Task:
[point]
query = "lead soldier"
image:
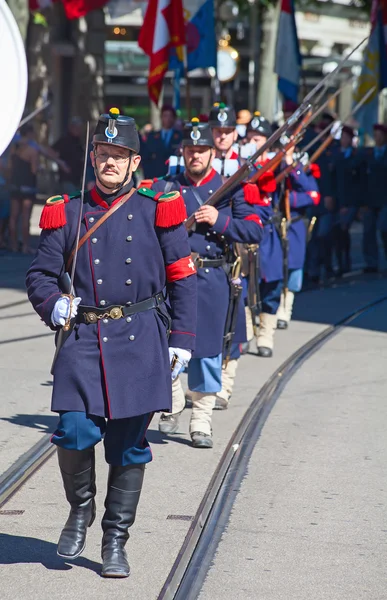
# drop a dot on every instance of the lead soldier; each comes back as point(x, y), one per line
point(113, 371)
point(233, 220)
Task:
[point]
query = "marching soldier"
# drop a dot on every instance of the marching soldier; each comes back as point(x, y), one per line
point(374, 213)
point(114, 369)
point(302, 192)
point(233, 220)
point(223, 123)
point(159, 145)
point(270, 249)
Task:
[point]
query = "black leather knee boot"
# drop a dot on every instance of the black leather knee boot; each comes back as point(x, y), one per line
point(78, 474)
point(123, 494)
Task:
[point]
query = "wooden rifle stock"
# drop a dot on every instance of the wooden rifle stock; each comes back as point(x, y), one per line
point(287, 205)
point(319, 151)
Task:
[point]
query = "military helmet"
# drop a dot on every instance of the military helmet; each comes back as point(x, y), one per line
point(196, 133)
point(222, 115)
point(113, 128)
point(260, 125)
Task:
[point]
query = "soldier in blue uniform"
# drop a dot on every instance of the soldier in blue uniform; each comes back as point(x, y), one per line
point(159, 145)
point(270, 249)
point(223, 123)
point(114, 369)
point(374, 211)
point(348, 175)
point(303, 192)
point(233, 220)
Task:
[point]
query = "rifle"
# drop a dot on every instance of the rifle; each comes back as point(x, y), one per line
point(281, 176)
point(331, 136)
point(232, 312)
point(240, 175)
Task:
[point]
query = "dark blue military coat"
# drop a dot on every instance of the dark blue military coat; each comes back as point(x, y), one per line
point(376, 178)
point(237, 222)
point(270, 248)
point(117, 368)
point(303, 193)
point(155, 153)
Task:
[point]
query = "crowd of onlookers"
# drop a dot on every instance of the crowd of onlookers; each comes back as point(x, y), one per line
point(20, 167)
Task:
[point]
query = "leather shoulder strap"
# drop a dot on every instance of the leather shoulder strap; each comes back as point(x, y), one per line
point(105, 217)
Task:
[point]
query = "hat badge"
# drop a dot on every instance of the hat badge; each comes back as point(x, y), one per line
point(255, 123)
point(111, 130)
point(222, 115)
point(195, 133)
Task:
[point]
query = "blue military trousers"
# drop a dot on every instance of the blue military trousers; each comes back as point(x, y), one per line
point(124, 439)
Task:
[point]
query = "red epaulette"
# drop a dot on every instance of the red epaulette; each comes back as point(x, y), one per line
point(170, 210)
point(53, 214)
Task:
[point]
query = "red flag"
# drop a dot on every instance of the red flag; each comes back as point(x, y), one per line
point(163, 29)
point(75, 9)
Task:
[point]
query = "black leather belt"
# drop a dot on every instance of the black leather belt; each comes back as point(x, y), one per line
point(205, 263)
point(92, 314)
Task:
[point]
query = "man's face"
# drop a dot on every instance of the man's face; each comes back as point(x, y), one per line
point(198, 159)
point(111, 163)
point(167, 119)
point(256, 138)
point(224, 137)
point(345, 140)
point(379, 137)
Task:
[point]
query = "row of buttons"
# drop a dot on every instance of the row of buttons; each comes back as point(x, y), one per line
point(95, 240)
point(185, 190)
point(91, 220)
point(131, 337)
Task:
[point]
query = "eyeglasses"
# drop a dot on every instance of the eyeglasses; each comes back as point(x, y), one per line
point(104, 157)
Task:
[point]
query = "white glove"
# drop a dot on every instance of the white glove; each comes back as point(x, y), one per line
point(60, 312)
point(183, 358)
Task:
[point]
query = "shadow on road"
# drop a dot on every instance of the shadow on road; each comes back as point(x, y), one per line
point(45, 423)
point(15, 549)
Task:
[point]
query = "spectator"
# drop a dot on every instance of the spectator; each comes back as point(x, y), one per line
point(71, 150)
point(160, 145)
point(23, 169)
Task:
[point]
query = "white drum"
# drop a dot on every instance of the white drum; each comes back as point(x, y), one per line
point(13, 74)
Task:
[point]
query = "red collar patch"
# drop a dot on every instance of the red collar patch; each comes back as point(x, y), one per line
point(210, 176)
point(98, 200)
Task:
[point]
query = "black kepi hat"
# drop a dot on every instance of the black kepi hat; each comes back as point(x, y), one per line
point(113, 128)
point(197, 134)
point(222, 115)
point(260, 125)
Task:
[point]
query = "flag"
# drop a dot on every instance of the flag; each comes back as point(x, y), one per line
point(200, 35)
point(162, 30)
point(287, 56)
point(374, 69)
point(75, 9)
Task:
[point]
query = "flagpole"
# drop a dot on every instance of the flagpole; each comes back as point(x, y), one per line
point(187, 85)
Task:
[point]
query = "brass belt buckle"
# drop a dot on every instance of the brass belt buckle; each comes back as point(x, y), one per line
point(90, 317)
point(199, 262)
point(116, 313)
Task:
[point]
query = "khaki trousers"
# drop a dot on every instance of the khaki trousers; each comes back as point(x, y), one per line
point(178, 398)
point(228, 380)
